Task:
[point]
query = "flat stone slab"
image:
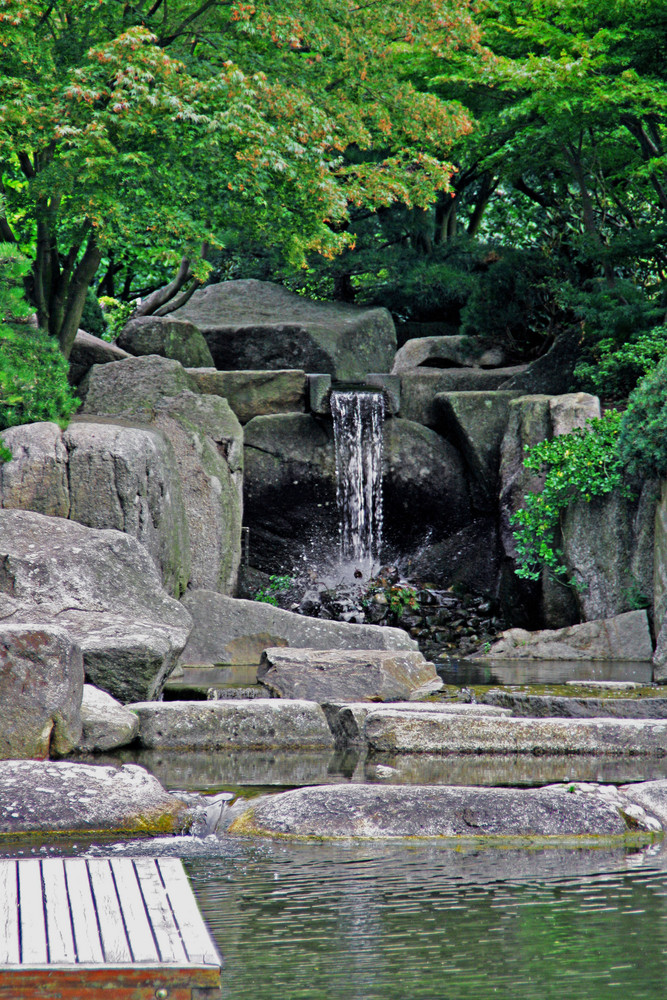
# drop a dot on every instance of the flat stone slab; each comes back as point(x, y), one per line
point(347, 720)
point(359, 674)
point(259, 724)
point(404, 732)
point(436, 811)
point(49, 796)
point(547, 706)
point(228, 630)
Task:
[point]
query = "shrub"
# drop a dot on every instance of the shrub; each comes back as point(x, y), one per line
point(642, 444)
point(579, 466)
point(613, 372)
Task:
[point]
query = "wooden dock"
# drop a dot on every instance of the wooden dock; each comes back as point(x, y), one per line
point(84, 929)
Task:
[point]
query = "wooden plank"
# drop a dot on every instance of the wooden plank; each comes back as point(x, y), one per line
point(96, 983)
point(82, 908)
point(136, 920)
point(31, 914)
point(195, 934)
point(9, 914)
point(166, 932)
point(109, 915)
point(58, 919)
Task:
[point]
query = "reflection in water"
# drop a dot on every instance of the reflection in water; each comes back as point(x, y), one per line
point(383, 922)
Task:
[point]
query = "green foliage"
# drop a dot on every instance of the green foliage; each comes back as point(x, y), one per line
point(399, 598)
point(33, 379)
point(613, 372)
point(578, 466)
point(116, 315)
point(93, 319)
point(277, 586)
point(642, 444)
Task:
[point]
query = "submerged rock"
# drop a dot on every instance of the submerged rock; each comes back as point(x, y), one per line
point(624, 637)
point(103, 589)
point(230, 630)
point(41, 682)
point(64, 797)
point(435, 811)
point(360, 675)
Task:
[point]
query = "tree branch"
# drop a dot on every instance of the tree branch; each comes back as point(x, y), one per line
point(163, 295)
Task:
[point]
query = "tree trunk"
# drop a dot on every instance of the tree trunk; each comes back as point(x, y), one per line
point(76, 297)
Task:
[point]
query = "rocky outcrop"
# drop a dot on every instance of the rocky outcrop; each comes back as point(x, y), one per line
point(447, 352)
point(170, 338)
point(428, 811)
point(608, 547)
point(207, 443)
point(233, 631)
point(387, 731)
point(420, 387)
point(107, 724)
point(103, 475)
point(255, 393)
point(103, 589)
point(259, 724)
point(291, 489)
point(359, 675)
point(475, 423)
point(553, 372)
point(624, 637)
point(63, 797)
point(87, 351)
point(41, 683)
point(251, 324)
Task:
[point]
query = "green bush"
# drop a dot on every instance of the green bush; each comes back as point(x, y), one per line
point(579, 466)
point(642, 444)
point(613, 372)
point(33, 372)
point(93, 319)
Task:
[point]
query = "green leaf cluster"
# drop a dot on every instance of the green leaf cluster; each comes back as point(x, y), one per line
point(612, 372)
point(577, 466)
point(642, 444)
point(276, 586)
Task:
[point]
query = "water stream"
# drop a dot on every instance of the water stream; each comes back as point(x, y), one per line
point(358, 418)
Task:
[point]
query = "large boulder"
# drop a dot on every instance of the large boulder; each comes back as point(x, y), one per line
point(356, 675)
point(256, 393)
point(103, 475)
point(102, 587)
point(64, 797)
point(260, 724)
point(170, 338)
point(290, 489)
point(608, 547)
point(41, 684)
point(475, 423)
point(251, 324)
point(435, 811)
point(233, 631)
point(88, 350)
point(553, 372)
point(447, 352)
point(107, 724)
point(624, 637)
point(420, 387)
point(207, 442)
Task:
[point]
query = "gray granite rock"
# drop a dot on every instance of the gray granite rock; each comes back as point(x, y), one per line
point(170, 338)
point(36, 478)
point(227, 630)
point(404, 732)
point(259, 724)
point(624, 637)
point(41, 682)
point(107, 724)
point(102, 587)
point(347, 720)
point(88, 350)
point(432, 811)
point(65, 797)
point(558, 706)
point(251, 324)
point(255, 393)
point(207, 442)
point(420, 387)
point(447, 352)
point(358, 675)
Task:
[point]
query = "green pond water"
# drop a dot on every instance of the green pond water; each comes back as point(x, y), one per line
point(395, 921)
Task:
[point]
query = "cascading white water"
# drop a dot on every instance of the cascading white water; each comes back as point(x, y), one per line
point(358, 417)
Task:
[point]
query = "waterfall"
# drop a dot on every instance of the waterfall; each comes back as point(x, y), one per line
point(358, 416)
